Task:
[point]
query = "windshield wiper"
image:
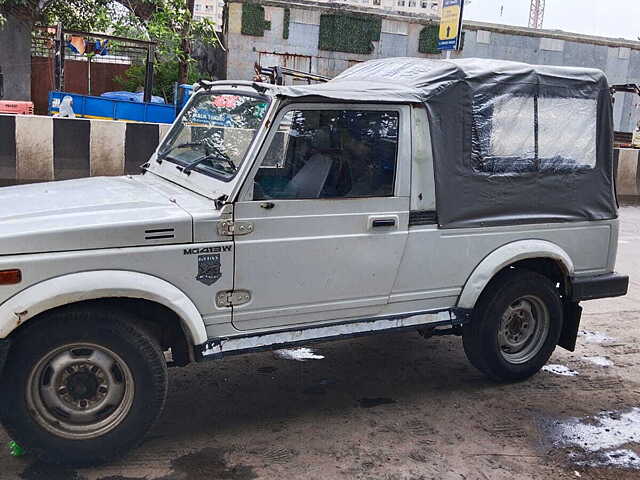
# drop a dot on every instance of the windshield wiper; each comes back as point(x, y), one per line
point(202, 143)
point(163, 154)
point(209, 156)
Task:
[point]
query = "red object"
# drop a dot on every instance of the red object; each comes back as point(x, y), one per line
point(10, 277)
point(226, 101)
point(18, 108)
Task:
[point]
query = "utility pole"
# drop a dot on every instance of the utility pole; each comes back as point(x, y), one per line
point(536, 14)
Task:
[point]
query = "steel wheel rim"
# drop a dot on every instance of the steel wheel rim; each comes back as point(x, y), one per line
point(80, 391)
point(524, 327)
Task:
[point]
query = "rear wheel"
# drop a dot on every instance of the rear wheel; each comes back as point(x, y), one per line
point(82, 386)
point(515, 326)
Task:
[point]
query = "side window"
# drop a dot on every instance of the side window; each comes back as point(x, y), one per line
point(330, 154)
point(568, 129)
point(525, 133)
point(504, 134)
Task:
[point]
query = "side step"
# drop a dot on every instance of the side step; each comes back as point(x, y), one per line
point(446, 320)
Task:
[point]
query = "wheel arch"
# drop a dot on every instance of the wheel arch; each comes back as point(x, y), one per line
point(538, 255)
point(134, 289)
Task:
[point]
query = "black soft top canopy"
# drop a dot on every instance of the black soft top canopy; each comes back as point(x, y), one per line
point(512, 142)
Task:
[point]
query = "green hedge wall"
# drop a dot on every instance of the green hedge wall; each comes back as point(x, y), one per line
point(349, 33)
point(253, 21)
point(428, 42)
point(285, 23)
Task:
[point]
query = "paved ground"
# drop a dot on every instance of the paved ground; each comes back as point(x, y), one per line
point(397, 407)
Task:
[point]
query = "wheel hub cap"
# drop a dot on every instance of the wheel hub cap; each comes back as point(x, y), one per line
point(80, 391)
point(523, 329)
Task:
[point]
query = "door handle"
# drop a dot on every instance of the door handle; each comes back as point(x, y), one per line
point(384, 222)
point(267, 205)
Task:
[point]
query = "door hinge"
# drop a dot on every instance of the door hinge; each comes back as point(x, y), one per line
point(229, 228)
point(232, 298)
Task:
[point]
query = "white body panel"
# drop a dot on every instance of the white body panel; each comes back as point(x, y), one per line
point(311, 261)
point(469, 258)
point(76, 287)
point(306, 263)
point(98, 212)
point(167, 264)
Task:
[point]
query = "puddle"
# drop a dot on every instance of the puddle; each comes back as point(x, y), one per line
point(560, 370)
point(298, 354)
point(314, 390)
point(208, 464)
point(599, 438)
point(600, 361)
point(589, 336)
point(40, 470)
point(267, 369)
point(374, 402)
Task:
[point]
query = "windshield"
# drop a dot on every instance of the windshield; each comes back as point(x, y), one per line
point(213, 135)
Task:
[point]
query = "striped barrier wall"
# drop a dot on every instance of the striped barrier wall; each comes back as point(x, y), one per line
point(36, 148)
point(627, 173)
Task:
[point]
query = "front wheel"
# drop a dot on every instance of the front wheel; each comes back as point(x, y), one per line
point(82, 385)
point(515, 326)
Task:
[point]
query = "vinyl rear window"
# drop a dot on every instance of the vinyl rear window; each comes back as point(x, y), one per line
point(529, 132)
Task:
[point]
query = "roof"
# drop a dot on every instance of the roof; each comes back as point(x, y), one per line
point(413, 80)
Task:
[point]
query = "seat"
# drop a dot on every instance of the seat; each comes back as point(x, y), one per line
point(311, 178)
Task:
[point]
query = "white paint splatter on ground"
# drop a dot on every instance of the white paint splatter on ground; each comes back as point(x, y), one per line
point(560, 370)
point(600, 361)
point(600, 437)
point(594, 337)
point(298, 354)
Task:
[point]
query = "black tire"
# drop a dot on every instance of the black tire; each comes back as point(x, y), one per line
point(492, 352)
point(141, 380)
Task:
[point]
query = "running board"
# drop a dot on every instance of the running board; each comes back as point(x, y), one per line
point(224, 346)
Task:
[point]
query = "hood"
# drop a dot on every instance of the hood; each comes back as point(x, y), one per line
point(88, 213)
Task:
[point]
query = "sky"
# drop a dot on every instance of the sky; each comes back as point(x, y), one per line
point(607, 18)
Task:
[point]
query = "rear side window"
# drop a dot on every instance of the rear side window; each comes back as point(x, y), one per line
point(528, 133)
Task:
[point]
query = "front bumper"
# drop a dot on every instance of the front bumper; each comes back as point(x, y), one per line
point(4, 351)
point(599, 286)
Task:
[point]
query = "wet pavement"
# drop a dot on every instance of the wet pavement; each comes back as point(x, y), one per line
point(398, 407)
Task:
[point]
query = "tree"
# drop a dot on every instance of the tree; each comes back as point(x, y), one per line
point(171, 24)
point(76, 14)
point(168, 22)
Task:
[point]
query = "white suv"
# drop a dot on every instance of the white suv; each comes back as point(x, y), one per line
point(467, 197)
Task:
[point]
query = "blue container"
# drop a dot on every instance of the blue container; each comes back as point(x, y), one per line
point(87, 106)
point(183, 93)
point(131, 96)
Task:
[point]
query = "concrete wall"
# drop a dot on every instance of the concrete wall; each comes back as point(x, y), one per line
point(627, 167)
point(15, 59)
point(36, 149)
point(620, 59)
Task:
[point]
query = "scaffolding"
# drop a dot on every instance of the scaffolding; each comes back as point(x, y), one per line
point(536, 14)
point(60, 45)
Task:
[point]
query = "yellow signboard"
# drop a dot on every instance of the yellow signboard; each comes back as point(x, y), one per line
point(450, 24)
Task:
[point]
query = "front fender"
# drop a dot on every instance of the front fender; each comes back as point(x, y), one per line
point(505, 256)
point(81, 286)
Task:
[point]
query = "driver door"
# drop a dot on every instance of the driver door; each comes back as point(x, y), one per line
point(328, 200)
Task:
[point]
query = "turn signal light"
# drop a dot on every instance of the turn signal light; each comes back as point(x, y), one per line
point(10, 277)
